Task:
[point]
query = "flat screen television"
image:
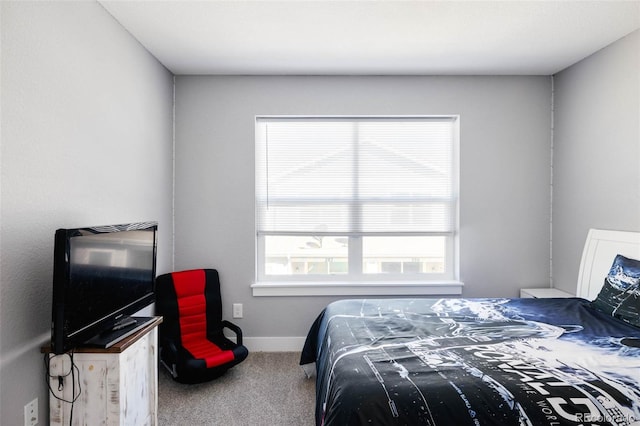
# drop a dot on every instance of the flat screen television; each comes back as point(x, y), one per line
point(101, 275)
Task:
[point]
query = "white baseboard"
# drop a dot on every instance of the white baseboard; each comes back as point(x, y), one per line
point(274, 344)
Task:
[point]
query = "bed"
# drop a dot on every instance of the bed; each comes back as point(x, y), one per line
point(456, 361)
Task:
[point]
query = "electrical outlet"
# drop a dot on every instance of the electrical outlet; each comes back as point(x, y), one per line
point(237, 310)
point(31, 413)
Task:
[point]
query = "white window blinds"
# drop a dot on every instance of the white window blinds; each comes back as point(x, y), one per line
point(355, 176)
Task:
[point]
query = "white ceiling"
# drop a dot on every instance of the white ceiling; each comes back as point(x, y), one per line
point(374, 36)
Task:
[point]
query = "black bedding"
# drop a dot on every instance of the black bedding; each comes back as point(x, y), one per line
point(473, 362)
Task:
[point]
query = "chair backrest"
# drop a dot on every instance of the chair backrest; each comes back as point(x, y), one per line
point(190, 303)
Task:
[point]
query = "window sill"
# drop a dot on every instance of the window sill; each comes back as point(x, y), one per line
point(411, 288)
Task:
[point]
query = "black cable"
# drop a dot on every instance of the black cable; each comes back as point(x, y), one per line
point(72, 372)
point(73, 386)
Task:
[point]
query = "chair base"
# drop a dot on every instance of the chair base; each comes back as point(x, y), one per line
point(171, 369)
point(196, 376)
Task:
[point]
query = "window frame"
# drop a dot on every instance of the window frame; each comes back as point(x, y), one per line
point(355, 282)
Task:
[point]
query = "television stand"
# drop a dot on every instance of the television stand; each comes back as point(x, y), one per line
point(119, 331)
point(119, 384)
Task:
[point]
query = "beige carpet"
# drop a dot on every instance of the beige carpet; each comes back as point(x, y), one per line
point(268, 388)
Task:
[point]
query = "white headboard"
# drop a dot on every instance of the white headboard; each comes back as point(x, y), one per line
point(599, 251)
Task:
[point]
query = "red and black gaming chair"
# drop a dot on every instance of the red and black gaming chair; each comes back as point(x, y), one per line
point(192, 344)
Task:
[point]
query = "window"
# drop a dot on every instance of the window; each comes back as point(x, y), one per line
point(355, 199)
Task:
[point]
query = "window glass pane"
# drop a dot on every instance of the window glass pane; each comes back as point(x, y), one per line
point(403, 255)
point(306, 255)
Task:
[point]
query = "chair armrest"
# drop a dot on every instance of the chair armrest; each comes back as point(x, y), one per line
point(231, 326)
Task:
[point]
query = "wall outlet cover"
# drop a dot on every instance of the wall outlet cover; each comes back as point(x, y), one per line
point(31, 413)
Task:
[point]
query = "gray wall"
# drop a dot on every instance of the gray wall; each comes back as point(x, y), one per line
point(86, 140)
point(596, 152)
point(505, 180)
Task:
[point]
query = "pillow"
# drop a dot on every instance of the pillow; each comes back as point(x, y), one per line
point(620, 294)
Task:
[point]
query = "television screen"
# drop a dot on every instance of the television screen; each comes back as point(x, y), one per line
point(101, 275)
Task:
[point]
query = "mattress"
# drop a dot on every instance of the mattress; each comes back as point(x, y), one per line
point(473, 362)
